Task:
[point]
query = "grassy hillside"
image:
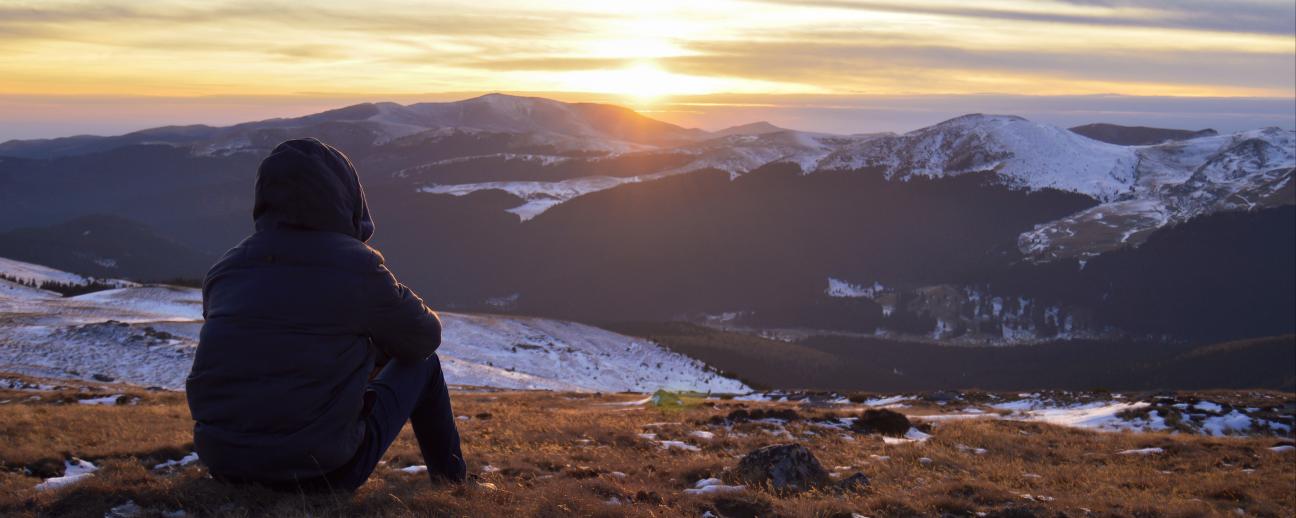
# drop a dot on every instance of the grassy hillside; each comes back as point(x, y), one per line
point(562, 454)
point(864, 363)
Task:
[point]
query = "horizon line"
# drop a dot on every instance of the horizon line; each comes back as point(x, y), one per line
point(681, 110)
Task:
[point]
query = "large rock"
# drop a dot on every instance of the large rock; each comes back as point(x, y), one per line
point(784, 467)
point(883, 421)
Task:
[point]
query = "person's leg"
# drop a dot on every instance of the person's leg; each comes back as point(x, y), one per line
point(435, 429)
point(401, 390)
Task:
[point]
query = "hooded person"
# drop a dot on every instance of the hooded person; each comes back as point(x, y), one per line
point(297, 316)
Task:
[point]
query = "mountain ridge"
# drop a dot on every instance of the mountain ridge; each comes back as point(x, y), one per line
point(526, 204)
point(1137, 135)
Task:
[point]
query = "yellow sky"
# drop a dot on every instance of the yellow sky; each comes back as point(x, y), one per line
point(647, 50)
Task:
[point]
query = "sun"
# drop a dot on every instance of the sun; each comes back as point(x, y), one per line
point(642, 82)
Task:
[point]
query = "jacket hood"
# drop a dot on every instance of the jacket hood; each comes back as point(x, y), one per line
point(309, 185)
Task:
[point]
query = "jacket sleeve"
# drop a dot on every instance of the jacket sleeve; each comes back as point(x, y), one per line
point(397, 321)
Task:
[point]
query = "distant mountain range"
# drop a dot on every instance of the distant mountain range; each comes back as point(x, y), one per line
point(980, 229)
point(1138, 135)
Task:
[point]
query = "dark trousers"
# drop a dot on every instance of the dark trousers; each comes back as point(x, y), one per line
point(413, 391)
point(402, 391)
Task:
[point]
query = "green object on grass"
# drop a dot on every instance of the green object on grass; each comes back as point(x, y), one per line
point(666, 398)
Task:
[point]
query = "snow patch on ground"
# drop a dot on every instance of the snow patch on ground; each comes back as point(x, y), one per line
point(106, 400)
point(886, 401)
point(1142, 451)
point(21, 291)
point(38, 273)
point(712, 486)
point(537, 196)
point(182, 461)
point(844, 289)
point(147, 335)
point(666, 445)
point(1097, 415)
point(162, 302)
point(537, 353)
point(1232, 422)
point(912, 436)
point(75, 470)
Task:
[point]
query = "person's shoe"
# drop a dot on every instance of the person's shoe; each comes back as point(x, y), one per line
point(455, 471)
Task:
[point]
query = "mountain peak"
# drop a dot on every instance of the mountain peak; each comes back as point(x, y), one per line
point(751, 128)
point(503, 100)
point(978, 119)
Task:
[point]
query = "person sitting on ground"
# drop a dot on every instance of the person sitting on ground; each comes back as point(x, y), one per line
point(297, 317)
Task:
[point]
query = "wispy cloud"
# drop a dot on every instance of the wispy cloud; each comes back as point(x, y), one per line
point(872, 65)
point(1242, 16)
point(277, 47)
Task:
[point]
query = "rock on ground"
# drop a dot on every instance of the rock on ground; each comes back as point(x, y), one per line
point(785, 467)
point(883, 421)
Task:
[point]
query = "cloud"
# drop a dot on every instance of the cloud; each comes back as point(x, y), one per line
point(416, 20)
point(1252, 17)
point(858, 64)
point(541, 63)
point(271, 17)
point(277, 46)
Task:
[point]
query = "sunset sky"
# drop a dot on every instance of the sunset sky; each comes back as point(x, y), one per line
point(838, 65)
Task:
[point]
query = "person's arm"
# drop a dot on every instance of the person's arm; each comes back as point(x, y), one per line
point(398, 322)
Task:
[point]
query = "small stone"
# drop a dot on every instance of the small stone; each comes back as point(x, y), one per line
point(855, 483)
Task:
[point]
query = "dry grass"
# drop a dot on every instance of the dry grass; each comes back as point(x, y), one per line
point(577, 455)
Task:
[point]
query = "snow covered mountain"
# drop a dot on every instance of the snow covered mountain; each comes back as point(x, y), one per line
point(1176, 182)
point(596, 213)
point(1141, 189)
point(1024, 154)
point(147, 334)
point(582, 144)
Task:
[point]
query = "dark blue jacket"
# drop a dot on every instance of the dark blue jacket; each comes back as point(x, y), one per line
point(296, 317)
